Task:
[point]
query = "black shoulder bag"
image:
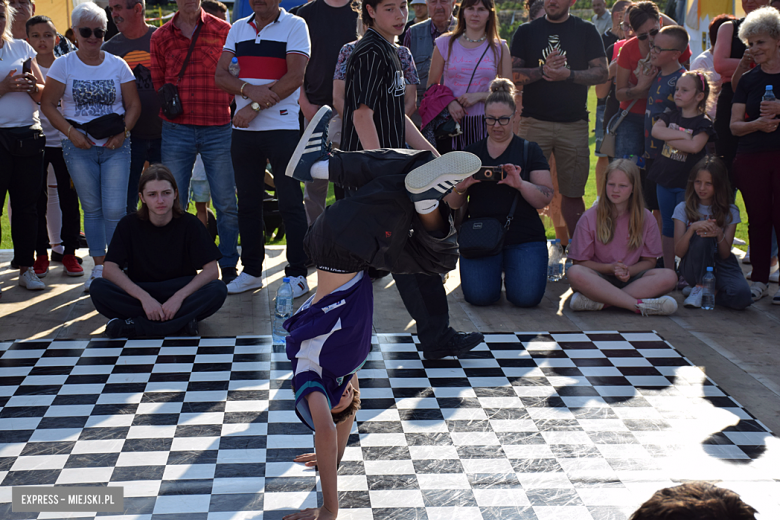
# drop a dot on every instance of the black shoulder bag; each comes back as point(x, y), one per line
point(484, 236)
point(170, 102)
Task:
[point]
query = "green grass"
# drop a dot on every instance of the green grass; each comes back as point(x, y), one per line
point(590, 196)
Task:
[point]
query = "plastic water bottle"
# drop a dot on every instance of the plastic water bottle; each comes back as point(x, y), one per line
point(769, 94)
point(708, 296)
point(233, 68)
point(554, 258)
point(283, 309)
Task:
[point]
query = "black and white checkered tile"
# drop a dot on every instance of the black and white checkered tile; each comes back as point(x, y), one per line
point(529, 426)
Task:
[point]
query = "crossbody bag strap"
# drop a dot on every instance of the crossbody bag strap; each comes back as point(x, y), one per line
point(189, 52)
point(623, 115)
point(525, 176)
point(475, 67)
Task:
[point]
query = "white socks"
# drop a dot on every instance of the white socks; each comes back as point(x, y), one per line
point(424, 207)
point(319, 170)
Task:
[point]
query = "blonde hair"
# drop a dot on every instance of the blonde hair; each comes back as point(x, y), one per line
point(10, 13)
point(606, 213)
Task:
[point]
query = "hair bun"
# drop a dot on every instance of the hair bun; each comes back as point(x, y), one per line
point(502, 85)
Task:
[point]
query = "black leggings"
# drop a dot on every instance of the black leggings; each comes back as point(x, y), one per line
point(69, 205)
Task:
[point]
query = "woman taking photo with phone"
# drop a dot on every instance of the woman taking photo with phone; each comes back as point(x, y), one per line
point(466, 60)
point(526, 186)
point(21, 144)
point(100, 106)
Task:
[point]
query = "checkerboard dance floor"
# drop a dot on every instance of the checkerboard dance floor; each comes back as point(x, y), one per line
point(540, 426)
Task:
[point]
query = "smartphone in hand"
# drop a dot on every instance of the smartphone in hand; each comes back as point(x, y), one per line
point(27, 66)
point(490, 173)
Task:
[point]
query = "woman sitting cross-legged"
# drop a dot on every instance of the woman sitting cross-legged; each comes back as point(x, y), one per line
point(151, 285)
point(614, 250)
point(526, 188)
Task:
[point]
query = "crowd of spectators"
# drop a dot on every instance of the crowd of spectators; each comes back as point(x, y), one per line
point(237, 98)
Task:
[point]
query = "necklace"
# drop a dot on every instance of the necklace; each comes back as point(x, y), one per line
point(474, 41)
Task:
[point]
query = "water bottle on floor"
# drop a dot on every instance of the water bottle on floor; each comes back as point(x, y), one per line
point(708, 294)
point(283, 309)
point(769, 94)
point(233, 68)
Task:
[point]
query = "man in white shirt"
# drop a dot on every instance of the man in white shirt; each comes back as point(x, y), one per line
point(601, 19)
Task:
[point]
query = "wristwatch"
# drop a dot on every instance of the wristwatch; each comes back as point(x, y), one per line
point(570, 79)
point(127, 133)
point(256, 106)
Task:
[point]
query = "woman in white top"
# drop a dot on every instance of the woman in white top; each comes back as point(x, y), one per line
point(21, 143)
point(100, 106)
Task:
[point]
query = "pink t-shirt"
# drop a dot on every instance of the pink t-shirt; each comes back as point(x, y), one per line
point(585, 245)
point(460, 66)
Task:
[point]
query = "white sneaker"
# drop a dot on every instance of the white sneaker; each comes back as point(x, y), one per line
point(694, 299)
point(758, 290)
point(299, 285)
point(738, 242)
point(30, 281)
point(97, 272)
point(244, 282)
point(662, 306)
point(774, 273)
point(580, 302)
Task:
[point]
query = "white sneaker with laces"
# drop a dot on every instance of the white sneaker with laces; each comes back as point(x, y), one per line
point(244, 282)
point(299, 285)
point(694, 299)
point(663, 306)
point(580, 302)
point(97, 272)
point(30, 281)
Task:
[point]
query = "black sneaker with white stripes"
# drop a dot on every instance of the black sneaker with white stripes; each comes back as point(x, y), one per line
point(434, 180)
point(312, 147)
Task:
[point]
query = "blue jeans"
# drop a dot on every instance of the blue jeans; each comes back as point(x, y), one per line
point(141, 150)
point(630, 138)
point(100, 177)
point(525, 275)
point(668, 199)
point(180, 145)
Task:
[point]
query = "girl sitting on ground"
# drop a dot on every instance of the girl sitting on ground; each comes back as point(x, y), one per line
point(704, 227)
point(614, 251)
point(685, 132)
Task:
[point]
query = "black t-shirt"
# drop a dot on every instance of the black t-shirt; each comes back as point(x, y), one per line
point(329, 29)
point(557, 101)
point(672, 167)
point(750, 90)
point(156, 254)
point(375, 78)
point(490, 199)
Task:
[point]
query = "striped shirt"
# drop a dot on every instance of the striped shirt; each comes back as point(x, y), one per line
point(262, 58)
point(204, 103)
point(375, 78)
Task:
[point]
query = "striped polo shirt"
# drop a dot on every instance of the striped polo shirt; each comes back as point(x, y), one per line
point(262, 57)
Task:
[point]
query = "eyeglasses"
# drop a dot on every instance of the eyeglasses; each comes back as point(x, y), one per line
point(503, 120)
point(86, 32)
point(625, 26)
point(651, 32)
point(659, 50)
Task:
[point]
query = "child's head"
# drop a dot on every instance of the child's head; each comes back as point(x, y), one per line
point(692, 90)
point(347, 405)
point(668, 45)
point(41, 34)
point(157, 187)
point(387, 16)
point(622, 186)
point(708, 184)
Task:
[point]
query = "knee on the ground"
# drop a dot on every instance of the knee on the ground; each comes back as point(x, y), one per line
point(482, 300)
point(525, 299)
point(736, 297)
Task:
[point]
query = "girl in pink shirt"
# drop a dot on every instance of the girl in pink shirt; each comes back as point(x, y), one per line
point(614, 250)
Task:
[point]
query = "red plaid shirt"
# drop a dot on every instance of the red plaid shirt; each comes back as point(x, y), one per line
point(204, 103)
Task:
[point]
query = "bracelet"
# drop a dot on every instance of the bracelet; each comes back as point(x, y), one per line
point(461, 193)
point(241, 90)
point(69, 129)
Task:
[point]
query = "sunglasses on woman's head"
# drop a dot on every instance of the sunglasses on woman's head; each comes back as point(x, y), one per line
point(86, 32)
point(651, 32)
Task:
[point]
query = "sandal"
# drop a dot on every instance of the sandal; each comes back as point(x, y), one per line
point(758, 290)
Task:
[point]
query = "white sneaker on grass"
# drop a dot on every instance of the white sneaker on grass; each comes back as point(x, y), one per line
point(244, 282)
point(580, 302)
point(299, 285)
point(693, 301)
point(97, 272)
point(30, 281)
point(663, 306)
